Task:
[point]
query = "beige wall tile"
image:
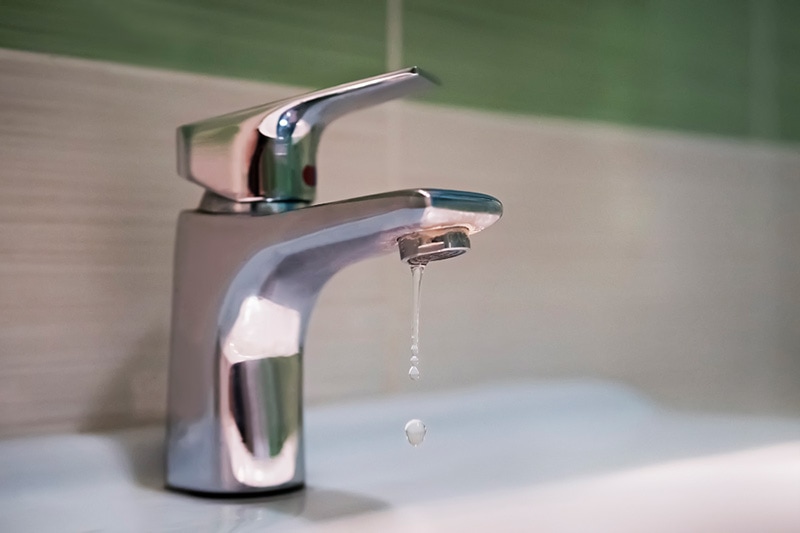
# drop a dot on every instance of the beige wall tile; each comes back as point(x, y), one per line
point(648, 257)
point(88, 203)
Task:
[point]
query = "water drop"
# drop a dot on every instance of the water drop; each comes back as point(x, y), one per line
point(413, 373)
point(414, 360)
point(415, 432)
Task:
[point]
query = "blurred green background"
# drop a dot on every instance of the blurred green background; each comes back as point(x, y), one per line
point(725, 67)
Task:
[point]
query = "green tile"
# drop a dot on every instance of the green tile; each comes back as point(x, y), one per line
point(675, 64)
point(788, 66)
point(307, 42)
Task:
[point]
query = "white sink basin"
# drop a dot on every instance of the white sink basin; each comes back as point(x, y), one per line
point(568, 456)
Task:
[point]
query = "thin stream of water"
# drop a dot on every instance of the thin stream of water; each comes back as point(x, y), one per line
point(415, 429)
point(416, 280)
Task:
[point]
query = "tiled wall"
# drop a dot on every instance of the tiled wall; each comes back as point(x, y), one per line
point(729, 67)
point(723, 66)
point(668, 261)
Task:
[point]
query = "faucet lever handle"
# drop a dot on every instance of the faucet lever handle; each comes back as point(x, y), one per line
point(268, 152)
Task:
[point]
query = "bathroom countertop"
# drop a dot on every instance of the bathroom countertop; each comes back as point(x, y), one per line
point(546, 456)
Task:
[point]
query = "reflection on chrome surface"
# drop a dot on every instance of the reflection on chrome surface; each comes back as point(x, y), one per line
point(250, 339)
point(260, 367)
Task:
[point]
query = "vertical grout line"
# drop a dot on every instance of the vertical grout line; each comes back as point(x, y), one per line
point(394, 61)
point(765, 125)
point(764, 116)
point(394, 34)
point(394, 297)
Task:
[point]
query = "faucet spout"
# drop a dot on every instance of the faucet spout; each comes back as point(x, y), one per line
point(245, 287)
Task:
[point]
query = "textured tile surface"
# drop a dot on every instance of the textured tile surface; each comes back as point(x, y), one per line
point(787, 42)
point(670, 262)
point(666, 261)
point(306, 42)
point(677, 65)
point(728, 67)
point(88, 203)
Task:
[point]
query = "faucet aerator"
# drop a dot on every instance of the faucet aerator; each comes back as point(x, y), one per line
point(422, 248)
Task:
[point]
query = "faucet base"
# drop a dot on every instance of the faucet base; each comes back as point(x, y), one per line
point(238, 495)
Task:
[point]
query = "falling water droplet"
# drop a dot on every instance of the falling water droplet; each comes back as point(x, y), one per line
point(415, 432)
point(414, 360)
point(413, 373)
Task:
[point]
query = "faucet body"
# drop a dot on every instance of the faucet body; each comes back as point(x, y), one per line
point(244, 289)
point(249, 265)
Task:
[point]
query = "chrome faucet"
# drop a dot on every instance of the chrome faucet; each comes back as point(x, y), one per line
point(249, 264)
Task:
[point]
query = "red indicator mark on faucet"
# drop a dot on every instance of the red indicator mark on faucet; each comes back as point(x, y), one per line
point(310, 175)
